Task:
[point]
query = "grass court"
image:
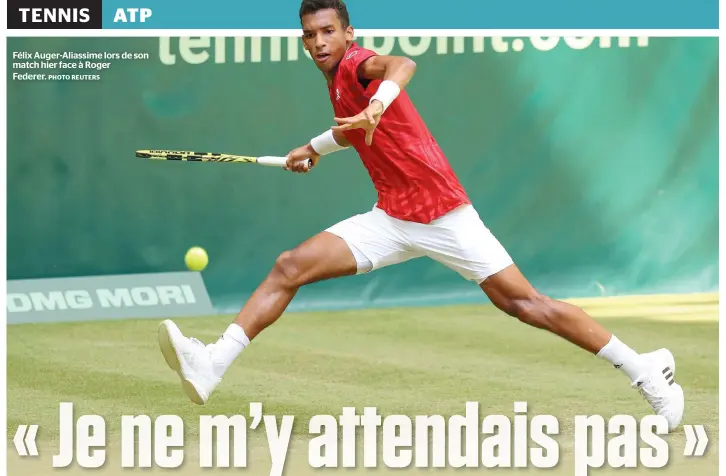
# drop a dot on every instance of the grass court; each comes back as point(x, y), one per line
point(414, 361)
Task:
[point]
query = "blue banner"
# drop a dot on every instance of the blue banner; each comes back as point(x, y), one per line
point(419, 14)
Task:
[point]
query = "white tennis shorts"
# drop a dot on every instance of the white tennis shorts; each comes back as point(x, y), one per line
point(459, 240)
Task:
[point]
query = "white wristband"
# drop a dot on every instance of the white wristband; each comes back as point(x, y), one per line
point(387, 92)
point(325, 143)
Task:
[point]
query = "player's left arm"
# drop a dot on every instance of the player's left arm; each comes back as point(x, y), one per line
point(394, 71)
point(397, 69)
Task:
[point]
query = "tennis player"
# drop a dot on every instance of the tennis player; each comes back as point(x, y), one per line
point(422, 211)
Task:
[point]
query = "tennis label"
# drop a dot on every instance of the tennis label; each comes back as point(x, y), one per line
point(55, 15)
point(108, 297)
point(47, 14)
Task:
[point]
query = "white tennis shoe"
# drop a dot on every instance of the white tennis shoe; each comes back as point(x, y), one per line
point(191, 360)
point(659, 388)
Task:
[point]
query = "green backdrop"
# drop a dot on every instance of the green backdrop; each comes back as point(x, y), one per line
point(597, 168)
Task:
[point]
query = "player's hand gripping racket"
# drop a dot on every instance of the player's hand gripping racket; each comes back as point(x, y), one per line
point(189, 156)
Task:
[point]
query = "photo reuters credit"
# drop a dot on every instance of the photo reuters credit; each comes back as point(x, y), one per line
point(298, 237)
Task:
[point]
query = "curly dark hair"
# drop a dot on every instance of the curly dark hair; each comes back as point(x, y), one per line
point(312, 6)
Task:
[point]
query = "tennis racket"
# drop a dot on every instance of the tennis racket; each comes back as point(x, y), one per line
point(189, 156)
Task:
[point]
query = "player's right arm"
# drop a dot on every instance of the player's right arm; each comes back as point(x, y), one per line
point(340, 139)
point(326, 143)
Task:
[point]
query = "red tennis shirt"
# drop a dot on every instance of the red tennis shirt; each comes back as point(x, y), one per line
point(410, 172)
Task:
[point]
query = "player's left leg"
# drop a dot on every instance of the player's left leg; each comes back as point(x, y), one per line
point(512, 293)
point(461, 241)
point(653, 374)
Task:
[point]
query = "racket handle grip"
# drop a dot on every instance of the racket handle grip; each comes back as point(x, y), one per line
point(276, 161)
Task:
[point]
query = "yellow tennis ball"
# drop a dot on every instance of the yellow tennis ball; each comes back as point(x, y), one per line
point(196, 259)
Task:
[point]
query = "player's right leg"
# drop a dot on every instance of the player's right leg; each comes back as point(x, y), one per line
point(322, 257)
point(358, 245)
point(201, 367)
